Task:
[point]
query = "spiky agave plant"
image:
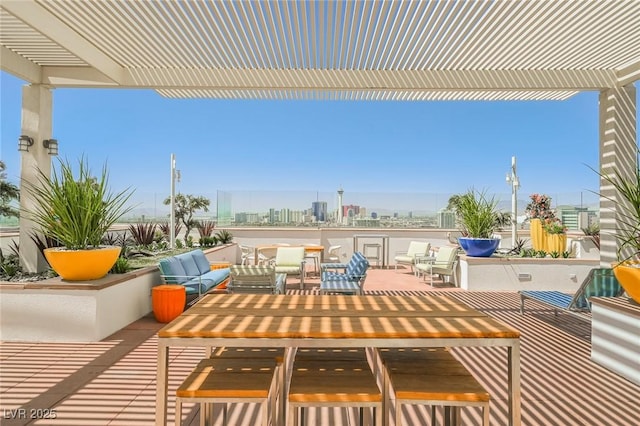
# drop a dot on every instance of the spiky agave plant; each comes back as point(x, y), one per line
point(76, 210)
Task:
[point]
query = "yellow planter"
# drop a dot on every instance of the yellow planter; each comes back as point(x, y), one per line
point(82, 265)
point(537, 234)
point(556, 242)
point(628, 275)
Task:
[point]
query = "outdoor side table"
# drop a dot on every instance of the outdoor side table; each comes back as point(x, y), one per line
point(168, 301)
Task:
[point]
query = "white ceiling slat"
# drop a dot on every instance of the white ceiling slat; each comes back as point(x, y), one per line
point(282, 39)
point(416, 25)
point(199, 16)
point(351, 17)
point(398, 45)
point(52, 28)
point(420, 44)
point(443, 29)
point(229, 34)
point(464, 26)
point(269, 49)
point(343, 49)
point(389, 21)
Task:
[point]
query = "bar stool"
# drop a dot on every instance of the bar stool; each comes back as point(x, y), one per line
point(430, 376)
point(276, 354)
point(218, 380)
point(333, 379)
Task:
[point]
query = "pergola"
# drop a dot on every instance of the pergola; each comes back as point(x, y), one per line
point(333, 50)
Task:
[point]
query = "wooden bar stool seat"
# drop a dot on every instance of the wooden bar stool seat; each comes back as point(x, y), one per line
point(325, 382)
point(430, 376)
point(223, 381)
point(276, 354)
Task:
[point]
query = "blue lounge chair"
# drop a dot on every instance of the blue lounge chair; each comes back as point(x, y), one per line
point(600, 282)
point(350, 281)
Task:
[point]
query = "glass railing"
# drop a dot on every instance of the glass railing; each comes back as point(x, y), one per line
point(364, 210)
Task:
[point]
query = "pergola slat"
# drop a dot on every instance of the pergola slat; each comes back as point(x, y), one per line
point(493, 49)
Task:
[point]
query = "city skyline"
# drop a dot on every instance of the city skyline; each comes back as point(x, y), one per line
point(261, 146)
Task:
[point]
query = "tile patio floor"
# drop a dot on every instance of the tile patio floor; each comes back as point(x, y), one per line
point(112, 382)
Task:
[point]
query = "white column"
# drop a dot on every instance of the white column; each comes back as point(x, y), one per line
point(37, 101)
point(618, 152)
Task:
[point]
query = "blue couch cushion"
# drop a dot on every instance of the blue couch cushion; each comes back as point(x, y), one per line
point(201, 261)
point(189, 264)
point(209, 280)
point(173, 271)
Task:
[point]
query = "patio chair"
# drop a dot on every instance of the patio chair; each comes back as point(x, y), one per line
point(350, 281)
point(256, 279)
point(444, 264)
point(416, 249)
point(314, 257)
point(290, 261)
point(333, 254)
point(600, 282)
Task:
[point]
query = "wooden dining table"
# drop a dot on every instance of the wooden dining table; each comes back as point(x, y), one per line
point(341, 321)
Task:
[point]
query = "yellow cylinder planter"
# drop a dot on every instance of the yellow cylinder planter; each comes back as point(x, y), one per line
point(628, 275)
point(556, 242)
point(82, 265)
point(537, 234)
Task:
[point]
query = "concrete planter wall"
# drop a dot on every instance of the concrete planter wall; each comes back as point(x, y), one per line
point(515, 273)
point(59, 311)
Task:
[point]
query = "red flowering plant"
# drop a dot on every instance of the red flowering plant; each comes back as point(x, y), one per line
point(539, 207)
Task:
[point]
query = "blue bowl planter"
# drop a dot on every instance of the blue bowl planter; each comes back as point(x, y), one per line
point(479, 247)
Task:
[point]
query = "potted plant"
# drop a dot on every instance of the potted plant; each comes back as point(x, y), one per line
point(627, 269)
point(538, 211)
point(556, 238)
point(478, 220)
point(77, 210)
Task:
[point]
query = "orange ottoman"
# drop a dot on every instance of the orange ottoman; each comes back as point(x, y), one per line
point(168, 301)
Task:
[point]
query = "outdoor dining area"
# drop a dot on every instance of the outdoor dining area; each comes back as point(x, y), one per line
point(344, 330)
point(343, 322)
point(535, 368)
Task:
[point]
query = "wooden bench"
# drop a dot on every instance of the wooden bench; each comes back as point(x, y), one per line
point(431, 376)
point(221, 380)
point(322, 380)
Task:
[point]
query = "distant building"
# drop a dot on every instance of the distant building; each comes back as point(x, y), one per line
point(366, 222)
point(285, 216)
point(446, 219)
point(576, 218)
point(350, 211)
point(319, 209)
point(374, 215)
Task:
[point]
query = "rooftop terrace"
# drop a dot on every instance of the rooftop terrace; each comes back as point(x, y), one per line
point(112, 382)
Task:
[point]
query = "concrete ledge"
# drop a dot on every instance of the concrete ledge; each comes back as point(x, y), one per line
point(523, 273)
point(59, 311)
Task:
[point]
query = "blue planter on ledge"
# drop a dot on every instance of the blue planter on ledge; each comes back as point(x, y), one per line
point(479, 247)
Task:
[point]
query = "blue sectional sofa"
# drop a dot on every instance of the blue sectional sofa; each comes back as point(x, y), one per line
point(192, 270)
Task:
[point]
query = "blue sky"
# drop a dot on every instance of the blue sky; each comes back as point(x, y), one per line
point(383, 147)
